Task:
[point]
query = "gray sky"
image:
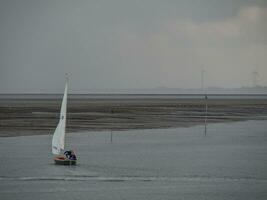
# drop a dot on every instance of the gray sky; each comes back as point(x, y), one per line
point(130, 43)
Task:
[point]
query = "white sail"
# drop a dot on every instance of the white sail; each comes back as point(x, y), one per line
point(58, 141)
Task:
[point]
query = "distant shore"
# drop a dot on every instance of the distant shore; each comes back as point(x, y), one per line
point(40, 116)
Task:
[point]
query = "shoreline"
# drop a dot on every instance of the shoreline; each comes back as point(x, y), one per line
point(20, 117)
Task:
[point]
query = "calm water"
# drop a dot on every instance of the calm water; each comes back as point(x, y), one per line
point(230, 162)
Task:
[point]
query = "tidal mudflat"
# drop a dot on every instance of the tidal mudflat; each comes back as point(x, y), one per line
point(40, 116)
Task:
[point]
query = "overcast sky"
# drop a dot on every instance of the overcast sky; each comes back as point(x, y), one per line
point(131, 43)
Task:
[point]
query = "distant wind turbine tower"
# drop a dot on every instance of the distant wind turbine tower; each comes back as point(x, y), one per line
point(202, 79)
point(255, 76)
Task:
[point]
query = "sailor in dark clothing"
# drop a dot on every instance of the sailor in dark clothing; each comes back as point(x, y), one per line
point(67, 153)
point(70, 155)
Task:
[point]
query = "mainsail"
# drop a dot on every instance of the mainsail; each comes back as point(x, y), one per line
point(58, 141)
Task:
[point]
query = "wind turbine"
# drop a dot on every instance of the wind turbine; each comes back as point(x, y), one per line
point(255, 76)
point(202, 79)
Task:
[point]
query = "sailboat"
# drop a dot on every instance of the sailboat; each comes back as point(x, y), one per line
point(58, 141)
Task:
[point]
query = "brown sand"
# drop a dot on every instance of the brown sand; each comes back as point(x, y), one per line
point(31, 117)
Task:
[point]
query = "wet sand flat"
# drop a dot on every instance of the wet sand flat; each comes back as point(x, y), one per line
point(40, 116)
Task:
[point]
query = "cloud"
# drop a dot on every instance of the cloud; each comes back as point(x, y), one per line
point(229, 49)
point(248, 23)
point(252, 13)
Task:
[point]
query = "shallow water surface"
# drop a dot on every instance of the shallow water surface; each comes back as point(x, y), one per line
point(229, 162)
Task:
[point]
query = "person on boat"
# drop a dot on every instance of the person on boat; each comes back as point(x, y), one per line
point(70, 155)
point(67, 153)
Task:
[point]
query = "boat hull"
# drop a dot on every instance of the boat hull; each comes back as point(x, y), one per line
point(62, 160)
